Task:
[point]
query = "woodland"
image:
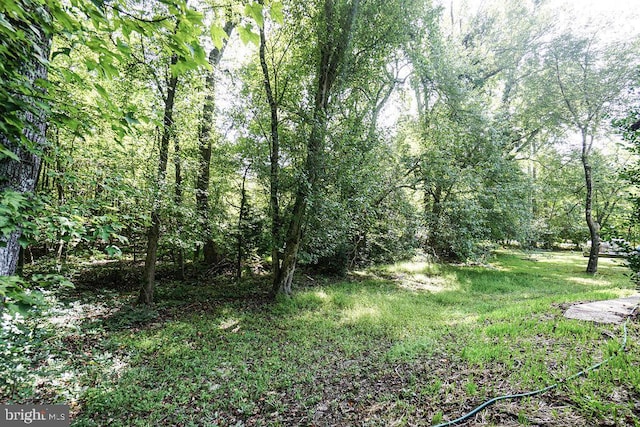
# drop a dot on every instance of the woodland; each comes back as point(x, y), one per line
point(261, 136)
point(283, 171)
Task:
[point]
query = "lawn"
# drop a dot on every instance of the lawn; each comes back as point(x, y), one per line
point(413, 343)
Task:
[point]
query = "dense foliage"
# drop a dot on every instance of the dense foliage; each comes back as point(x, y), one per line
point(260, 135)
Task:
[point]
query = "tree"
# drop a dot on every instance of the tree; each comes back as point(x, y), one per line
point(274, 158)
point(472, 189)
point(205, 138)
point(189, 31)
point(103, 33)
point(588, 79)
point(363, 85)
point(559, 190)
point(27, 33)
point(153, 233)
point(334, 34)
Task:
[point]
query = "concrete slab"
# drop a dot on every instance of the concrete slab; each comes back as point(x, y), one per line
point(609, 311)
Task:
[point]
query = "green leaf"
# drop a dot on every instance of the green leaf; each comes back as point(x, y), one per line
point(67, 22)
point(198, 54)
point(4, 23)
point(107, 67)
point(123, 48)
point(194, 17)
point(23, 241)
point(64, 51)
point(130, 118)
point(6, 153)
point(102, 91)
point(91, 64)
point(218, 35)
point(254, 11)
point(179, 67)
point(276, 13)
point(248, 36)
point(113, 250)
point(71, 76)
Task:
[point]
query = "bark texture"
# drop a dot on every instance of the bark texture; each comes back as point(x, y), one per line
point(22, 175)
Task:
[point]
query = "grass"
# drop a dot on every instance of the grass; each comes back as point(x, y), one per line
point(412, 343)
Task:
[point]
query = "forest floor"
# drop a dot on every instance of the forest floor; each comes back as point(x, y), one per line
point(413, 343)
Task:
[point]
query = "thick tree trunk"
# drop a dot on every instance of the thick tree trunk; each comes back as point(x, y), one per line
point(153, 233)
point(313, 164)
point(204, 148)
point(282, 283)
point(315, 147)
point(149, 276)
point(22, 176)
point(202, 181)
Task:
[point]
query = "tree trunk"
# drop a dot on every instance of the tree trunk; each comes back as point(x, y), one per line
point(59, 182)
point(242, 215)
point(434, 241)
point(313, 164)
point(282, 284)
point(22, 176)
point(153, 233)
point(274, 158)
point(204, 149)
point(594, 227)
point(177, 198)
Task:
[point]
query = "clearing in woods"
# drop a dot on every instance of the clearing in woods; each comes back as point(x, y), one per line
point(415, 343)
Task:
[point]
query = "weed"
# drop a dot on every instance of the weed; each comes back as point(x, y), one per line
point(471, 387)
point(437, 418)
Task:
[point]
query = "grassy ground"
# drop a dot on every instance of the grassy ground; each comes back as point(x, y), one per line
point(409, 344)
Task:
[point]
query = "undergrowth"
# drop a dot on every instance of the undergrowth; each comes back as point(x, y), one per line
point(412, 343)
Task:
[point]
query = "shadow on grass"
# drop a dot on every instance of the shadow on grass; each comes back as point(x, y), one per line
point(225, 353)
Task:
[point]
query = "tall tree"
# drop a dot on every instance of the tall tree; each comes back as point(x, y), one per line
point(205, 141)
point(589, 79)
point(274, 158)
point(334, 34)
point(167, 90)
point(153, 233)
point(471, 187)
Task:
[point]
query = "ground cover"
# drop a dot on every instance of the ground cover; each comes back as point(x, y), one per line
point(414, 343)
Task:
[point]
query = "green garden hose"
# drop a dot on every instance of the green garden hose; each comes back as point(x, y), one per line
point(542, 390)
